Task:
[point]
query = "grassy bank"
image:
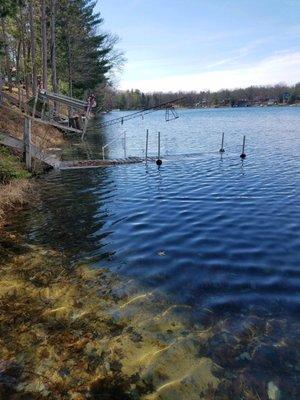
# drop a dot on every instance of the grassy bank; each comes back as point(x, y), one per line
point(12, 123)
point(14, 183)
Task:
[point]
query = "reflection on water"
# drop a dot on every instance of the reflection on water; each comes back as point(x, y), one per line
point(216, 234)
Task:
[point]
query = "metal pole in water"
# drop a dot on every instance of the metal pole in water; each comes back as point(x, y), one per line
point(158, 161)
point(222, 150)
point(147, 141)
point(124, 144)
point(243, 155)
point(103, 153)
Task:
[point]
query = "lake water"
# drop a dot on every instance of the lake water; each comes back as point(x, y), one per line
point(210, 231)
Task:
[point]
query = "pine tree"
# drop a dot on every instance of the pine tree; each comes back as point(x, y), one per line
point(81, 55)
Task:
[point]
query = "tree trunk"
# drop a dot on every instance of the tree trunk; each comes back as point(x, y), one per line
point(44, 43)
point(32, 48)
point(24, 53)
point(18, 60)
point(53, 46)
point(7, 59)
point(70, 80)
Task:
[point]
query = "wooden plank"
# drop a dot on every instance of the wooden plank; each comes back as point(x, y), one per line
point(12, 142)
point(46, 157)
point(65, 100)
point(85, 164)
point(57, 125)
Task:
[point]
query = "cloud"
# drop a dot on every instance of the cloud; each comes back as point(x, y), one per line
point(281, 67)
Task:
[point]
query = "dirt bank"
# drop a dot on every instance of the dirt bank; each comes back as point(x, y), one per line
point(15, 185)
point(12, 123)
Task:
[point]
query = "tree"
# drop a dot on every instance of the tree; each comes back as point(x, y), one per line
point(82, 56)
point(6, 53)
point(86, 56)
point(44, 43)
point(8, 8)
point(32, 43)
point(53, 47)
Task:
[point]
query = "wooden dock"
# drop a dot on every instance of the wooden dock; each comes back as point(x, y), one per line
point(52, 160)
point(49, 159)
point(85, 164)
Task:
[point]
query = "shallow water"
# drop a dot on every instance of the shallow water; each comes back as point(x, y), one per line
point(213, 232)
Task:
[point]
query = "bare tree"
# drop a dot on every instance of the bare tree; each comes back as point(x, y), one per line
point(32, 45)
point(6, 51)
point(44, 43)
point(53, 46)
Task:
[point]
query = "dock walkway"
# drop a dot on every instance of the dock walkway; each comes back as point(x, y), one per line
point(85, 164)
point(53, 160)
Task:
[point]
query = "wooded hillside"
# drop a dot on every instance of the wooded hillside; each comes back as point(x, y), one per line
point(55, 44)
point(253, 95)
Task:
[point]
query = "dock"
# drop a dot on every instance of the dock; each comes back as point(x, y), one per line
point(85, 164)
point(49, 159)
point(52, 160)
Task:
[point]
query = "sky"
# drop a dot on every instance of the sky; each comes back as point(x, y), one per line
point(197, 45)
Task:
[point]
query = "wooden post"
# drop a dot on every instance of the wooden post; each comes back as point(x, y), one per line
point(27, 143)
point(43, 110)
point(35, 103)
point(84, 126)
point(21, 97)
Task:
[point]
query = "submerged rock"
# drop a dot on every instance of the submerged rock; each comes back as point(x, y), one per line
point(73, 338)
point(273, 391)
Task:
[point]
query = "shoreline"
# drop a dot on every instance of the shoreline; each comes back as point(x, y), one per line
point(215, 107)
point(15, 184)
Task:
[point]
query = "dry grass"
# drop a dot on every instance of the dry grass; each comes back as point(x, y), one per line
point(12, 196)
point(12, 122)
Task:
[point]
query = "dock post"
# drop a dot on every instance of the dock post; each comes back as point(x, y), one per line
point(22, 102)
point(222, 150)
point(243, 155)
point(35, 103)
point(86, 120)
point(158, 161)
point(20, 97)
point(125, 155)
point(147, 141)
point(27, 143)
